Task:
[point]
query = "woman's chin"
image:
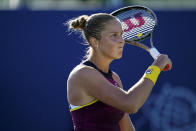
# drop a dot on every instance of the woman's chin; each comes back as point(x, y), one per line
point(119, 56)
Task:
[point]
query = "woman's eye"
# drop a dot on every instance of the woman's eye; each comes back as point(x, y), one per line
point(114, 35)
point(121, 34)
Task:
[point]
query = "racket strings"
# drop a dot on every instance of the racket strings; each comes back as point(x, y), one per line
point(136, 23)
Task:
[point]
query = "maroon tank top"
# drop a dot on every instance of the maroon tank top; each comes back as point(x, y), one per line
point(97, 116)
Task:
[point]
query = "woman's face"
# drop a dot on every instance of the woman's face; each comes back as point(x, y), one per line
point(111, 43)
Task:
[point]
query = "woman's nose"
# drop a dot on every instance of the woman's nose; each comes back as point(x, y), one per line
point(122, 40)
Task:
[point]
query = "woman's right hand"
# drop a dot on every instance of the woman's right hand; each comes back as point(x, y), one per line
point(162, 61)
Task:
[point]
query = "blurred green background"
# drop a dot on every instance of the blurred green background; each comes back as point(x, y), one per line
point(94, 4)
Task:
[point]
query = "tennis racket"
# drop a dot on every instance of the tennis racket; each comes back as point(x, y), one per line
point(138, 23)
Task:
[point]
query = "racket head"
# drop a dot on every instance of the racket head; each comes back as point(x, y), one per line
point(138, 22)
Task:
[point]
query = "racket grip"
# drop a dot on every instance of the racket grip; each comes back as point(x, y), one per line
point(154, 53)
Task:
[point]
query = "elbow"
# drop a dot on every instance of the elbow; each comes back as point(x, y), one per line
point(131, 109)
point(130, 106)
point(135, 110)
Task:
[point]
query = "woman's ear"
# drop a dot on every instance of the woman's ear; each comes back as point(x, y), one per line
point(93, 42)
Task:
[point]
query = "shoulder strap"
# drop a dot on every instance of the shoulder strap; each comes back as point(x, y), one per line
point(107, 75)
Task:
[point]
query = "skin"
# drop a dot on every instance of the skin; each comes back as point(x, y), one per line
point(82, 87)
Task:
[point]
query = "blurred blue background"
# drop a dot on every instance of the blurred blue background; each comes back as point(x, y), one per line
point(37, 54)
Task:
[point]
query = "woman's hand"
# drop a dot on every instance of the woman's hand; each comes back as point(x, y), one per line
point(162, 61)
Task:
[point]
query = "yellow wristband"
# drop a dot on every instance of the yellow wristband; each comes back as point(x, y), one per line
point(152, 73)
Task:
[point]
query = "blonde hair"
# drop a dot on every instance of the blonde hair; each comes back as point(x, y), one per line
point(90, 26)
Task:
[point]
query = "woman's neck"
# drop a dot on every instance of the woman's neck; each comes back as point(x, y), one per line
point(101, 63)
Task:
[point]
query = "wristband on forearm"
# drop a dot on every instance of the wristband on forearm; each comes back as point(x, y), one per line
point(152, 73)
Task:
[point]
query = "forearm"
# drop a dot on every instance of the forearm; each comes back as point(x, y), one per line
point(140, 92)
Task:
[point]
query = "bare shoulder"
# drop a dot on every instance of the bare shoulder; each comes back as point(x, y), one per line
point(78, 83)
point(80, 73)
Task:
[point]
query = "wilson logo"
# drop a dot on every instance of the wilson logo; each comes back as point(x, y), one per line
point(148, 71)
point(139, 22)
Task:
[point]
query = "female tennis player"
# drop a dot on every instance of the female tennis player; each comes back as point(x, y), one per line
point(95, 93)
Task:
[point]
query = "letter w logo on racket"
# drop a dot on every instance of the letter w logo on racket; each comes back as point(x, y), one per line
point(131, 25)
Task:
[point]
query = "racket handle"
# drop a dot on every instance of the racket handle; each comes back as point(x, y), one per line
point(155, 53)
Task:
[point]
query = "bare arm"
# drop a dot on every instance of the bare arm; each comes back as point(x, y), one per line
point(126, 123)
point(94, 84)
point(97, 86)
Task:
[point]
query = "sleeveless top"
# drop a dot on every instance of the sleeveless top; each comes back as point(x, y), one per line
point(96, 116)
